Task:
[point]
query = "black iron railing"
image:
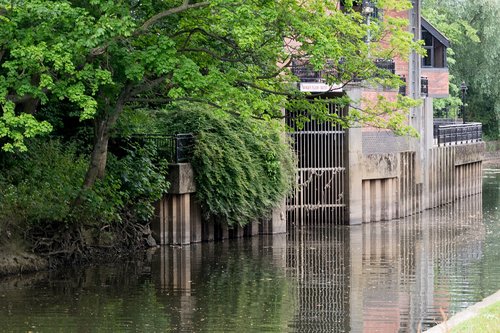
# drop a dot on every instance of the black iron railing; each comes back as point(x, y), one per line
point(424, 85)
point(444, 121)
point(387, 64)
point(174, 148)
point(305, 72)
point(453, 134)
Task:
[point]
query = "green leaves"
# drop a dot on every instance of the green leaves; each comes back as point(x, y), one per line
point(473, 30)
point(243, 169)
point(17, 127)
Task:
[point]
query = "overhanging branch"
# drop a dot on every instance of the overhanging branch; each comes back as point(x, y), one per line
point(170, 100)
point(185, 6)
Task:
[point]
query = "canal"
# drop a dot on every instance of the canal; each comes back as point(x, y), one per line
point(402, 276)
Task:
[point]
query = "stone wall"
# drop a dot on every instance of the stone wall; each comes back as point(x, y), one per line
point(438, 81)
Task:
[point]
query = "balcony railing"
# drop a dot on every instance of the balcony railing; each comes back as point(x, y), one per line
point(387, 64)
point(174, 148)
point(454, 134)
point(444, 121)
point(305, 72)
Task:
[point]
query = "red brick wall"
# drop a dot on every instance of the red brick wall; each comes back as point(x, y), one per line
point(438, 81)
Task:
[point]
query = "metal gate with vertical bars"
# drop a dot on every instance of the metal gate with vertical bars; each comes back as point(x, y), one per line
point(320, 193)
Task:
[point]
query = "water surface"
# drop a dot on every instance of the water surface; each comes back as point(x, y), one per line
point(382, 277)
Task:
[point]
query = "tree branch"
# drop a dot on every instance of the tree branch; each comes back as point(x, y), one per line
point(170, 100)
point(253, 85)
point(146, 86)
point(185, 6)
point(209, 52)
point(25, 98)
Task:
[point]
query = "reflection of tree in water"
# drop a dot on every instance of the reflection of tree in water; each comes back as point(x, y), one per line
point(110, 299)
point(226, 286)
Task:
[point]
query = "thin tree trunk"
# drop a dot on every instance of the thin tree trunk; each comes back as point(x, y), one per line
point(103, 126)
point(98, 158)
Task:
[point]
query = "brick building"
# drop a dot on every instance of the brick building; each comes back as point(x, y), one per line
point(364, 174)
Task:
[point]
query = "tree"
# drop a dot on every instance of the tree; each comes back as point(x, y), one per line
point(105, 56)
point(475, 35)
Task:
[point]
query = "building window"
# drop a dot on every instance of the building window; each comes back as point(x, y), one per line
point(435, 51)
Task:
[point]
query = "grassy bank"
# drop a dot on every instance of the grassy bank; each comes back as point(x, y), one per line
point(488, 320)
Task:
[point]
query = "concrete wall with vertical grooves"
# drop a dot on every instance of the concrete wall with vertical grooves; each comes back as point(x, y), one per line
point(390, 189)
point(455, 172)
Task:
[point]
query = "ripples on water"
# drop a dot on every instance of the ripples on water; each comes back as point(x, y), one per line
point(380, 277)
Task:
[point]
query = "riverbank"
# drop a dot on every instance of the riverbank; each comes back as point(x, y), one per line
point(492, 159)
point(470, 313)
point(17, 262)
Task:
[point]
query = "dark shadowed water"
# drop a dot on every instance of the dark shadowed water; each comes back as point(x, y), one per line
point(381, 277)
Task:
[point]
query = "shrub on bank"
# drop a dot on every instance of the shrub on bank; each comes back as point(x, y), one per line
point(38, 186)
point(41, 197)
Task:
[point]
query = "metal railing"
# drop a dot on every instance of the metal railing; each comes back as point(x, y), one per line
point(454, 134)
point(443, 121)
point(174, 148)
point(387, 64)
point(305, 72)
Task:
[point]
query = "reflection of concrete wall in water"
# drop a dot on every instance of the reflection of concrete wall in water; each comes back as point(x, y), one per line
point(403, 265)
point(383, 277)
point(210, 282)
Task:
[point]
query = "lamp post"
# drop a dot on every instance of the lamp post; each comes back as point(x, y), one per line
point(464, 88)
point(367, 10)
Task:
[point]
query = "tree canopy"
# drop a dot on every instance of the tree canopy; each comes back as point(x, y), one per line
point(474, 32)
point(102, 57)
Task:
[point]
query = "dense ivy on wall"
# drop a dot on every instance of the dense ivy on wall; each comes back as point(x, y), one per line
point(243, 167)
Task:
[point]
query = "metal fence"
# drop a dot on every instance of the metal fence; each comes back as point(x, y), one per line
point(444, 121)
point(305, 72)
point(387, 64)
point(320, 192)
point(174, 148)
point(452, 134)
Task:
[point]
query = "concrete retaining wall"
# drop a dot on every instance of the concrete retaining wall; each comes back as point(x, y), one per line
point(179, 220)
point(393, 186)
point(454, 172)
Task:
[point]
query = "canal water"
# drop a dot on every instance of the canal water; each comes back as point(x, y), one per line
point(402, 276)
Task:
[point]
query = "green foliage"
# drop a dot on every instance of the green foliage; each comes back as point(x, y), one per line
point(38, 189)
point(131, 186)
point(474, 32)
point(243, 167)
point(100, 56)
point(38, 186)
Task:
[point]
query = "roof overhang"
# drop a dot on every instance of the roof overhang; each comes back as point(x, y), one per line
point(435, 32)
